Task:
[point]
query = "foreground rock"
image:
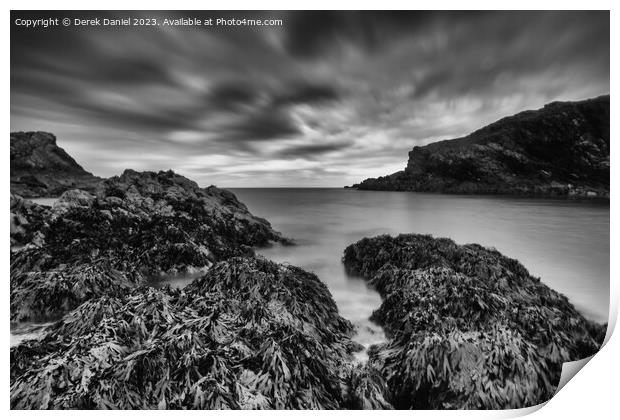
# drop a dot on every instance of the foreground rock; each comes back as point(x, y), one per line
point(249, 334)
point(559, 150)
point(27, 220)
point(39, 168)
point(132, 227)
point(469, 328)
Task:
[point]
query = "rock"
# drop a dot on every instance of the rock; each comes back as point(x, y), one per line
point(468, 327)
point(559, 150)
point(27, 219)
point(39, 168)
point(367, 389)
point(44, 295)
point(141, 224)
point(72, 199)
point(152, 195)
point(250, 334)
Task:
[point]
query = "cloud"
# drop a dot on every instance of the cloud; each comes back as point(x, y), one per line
point(267, 124)
point(306, 93)
point(262, 112)
point(312, 34)
point(230, 96)
point(313, 149)
point(343, 94)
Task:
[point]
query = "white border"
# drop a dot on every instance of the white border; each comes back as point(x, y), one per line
point(592, 394)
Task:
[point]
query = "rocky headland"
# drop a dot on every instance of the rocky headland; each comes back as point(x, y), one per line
point(40, 168)
point(468, 328)
point(560, 150)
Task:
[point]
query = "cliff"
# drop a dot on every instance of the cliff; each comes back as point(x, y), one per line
point(40, 168)
point(559, 150)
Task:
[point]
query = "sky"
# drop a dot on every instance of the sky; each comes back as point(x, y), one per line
point(326, 99)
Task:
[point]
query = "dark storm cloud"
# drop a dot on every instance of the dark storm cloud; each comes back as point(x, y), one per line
point(471, 49)
point(313, 33)
point(233, 95)
point(487, 52)
point(313, 150)
point(265, 125)
point(263, 112)
point(304, 93)
point(133, 71)
point(343, 95)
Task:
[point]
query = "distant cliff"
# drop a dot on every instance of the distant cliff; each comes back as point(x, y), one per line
point(40, 168)
point(559, 150)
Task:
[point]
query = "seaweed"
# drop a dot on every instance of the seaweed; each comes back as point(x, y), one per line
point(42, 295)
point(250, 334)
point(468, 327)
point(139, 224)
point(27, 219)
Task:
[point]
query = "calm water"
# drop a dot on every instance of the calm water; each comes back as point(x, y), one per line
point(565, 243)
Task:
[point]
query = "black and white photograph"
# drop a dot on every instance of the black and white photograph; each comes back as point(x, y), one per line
point(306, 209)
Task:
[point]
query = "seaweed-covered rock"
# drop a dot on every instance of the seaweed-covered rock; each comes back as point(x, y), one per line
point(73, 199)
point(27, 220)
point(249, 334)
point(468, 327)
point(140, 224)
point(42, 295)
point(366, 389)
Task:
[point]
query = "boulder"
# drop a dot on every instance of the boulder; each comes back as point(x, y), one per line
point(72, 199)
point(468, 327)
point(27, 220)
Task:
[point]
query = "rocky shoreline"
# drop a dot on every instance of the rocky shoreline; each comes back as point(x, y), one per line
point(248, 334)
point(467, 326)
